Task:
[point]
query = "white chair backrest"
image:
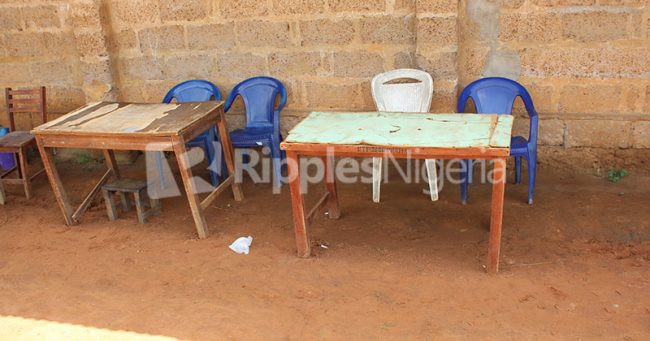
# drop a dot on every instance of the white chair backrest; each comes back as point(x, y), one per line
point(403, 97)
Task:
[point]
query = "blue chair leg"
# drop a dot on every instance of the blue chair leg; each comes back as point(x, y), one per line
point(532, 173)
point(465, 175)
point(517, 169)
point(276, 154)
point(284, 153)
point(210, 154)
point(223, 168)
point(245, 159)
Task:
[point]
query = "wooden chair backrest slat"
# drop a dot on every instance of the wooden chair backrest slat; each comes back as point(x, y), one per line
point(25, 101)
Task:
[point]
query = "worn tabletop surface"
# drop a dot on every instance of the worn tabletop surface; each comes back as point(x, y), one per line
point(404, 129)
point(129, 118)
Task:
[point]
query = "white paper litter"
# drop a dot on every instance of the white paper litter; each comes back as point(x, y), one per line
point(242, 245)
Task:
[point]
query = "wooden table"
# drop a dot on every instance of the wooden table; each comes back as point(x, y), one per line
point(132, 126)
point(400, 135)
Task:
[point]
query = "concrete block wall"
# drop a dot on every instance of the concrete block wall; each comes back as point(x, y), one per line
point(586, 62)
point(59, 44)
point(324, 51)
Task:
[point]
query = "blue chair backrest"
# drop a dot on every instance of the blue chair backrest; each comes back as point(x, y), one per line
point(494, 95)
point(259, 94)
point(193, 91)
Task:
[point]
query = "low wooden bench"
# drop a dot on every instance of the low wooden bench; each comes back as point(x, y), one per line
point(123, 187)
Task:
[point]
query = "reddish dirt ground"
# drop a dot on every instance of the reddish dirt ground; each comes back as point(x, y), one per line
point(576, 265)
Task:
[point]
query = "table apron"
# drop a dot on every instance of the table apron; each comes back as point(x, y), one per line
point(395, 151)
point(418, 155)
point(148, 142)
point(152, 143)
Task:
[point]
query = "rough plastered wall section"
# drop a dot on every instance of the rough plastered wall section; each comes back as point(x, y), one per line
point(59, 44)
point(586, 62)
point(325, 52)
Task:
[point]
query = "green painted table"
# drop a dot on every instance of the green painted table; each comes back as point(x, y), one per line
point(398, 135)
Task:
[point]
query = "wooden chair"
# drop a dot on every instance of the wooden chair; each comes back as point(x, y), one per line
point(30, 101)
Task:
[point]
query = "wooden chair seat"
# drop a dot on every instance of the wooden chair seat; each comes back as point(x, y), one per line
point(15, 140)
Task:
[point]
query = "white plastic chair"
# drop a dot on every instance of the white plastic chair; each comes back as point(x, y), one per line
point(403, 97)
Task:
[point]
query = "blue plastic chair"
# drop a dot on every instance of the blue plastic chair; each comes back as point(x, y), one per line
point(7, 160)
point(496, 95)
point(196, 91)
point(262, 118)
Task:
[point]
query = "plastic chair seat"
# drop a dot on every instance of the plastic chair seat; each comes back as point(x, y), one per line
point(518, 145)
point(251, 136)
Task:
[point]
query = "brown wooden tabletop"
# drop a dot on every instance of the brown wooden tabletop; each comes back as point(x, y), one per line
point(113, 126)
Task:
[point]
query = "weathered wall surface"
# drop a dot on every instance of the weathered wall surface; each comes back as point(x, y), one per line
point(59, 44)
point(586, 62)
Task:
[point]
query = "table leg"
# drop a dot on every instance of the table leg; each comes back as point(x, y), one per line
point(228, 153)
point(109, 156)
point(432, 176)
point(191, 190)
point(55, 182)
point(498, 190)
point(330, 183)
point(376, 178)
point(110, 205)
point(24, 170)
point(3, 199)
point(298, 205)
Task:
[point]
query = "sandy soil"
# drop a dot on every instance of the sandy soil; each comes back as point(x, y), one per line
point(576, 265)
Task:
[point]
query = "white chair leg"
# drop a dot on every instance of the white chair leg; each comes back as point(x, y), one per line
point(376, 177)
point(432, 173)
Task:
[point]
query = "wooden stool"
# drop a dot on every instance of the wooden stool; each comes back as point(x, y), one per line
point(139, 190)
